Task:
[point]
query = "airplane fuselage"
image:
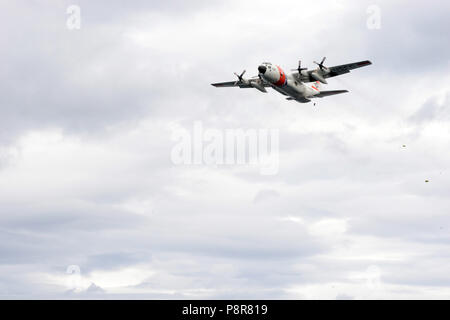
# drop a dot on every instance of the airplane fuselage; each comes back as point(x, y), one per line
point(286, 84)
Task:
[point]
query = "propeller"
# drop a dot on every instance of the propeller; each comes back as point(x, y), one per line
point(321, 66)
point(240, 77)
point(299, 69)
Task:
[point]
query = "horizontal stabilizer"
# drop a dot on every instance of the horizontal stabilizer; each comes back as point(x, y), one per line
point(301, 99)
point(329, 93)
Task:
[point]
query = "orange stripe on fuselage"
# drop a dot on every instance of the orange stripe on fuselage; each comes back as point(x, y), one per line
point(282, 79)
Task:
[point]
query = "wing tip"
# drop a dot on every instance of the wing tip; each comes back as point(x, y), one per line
point(364, 63)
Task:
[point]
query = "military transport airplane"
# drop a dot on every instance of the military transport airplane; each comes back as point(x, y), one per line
point(294, 85)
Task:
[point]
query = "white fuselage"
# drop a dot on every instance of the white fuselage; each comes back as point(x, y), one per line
point(286, 84)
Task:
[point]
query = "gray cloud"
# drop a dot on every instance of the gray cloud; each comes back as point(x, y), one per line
point(86, 177)
point(431, 110)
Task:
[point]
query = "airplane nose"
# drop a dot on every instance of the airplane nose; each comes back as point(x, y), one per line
point(262, 69)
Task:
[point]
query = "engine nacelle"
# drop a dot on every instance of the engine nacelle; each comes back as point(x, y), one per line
point(318, 77)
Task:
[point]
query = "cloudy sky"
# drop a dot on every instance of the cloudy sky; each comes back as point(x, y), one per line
point(92, 205)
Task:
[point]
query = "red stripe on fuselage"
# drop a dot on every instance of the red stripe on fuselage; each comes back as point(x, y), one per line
point(282, 79)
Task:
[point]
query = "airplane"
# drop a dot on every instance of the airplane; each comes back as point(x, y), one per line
point(294, 85)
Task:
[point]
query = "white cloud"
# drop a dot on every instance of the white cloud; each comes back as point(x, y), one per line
point(86, 176)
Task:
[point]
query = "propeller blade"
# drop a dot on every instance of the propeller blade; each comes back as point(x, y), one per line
point(240, 77)
point(299, 69)
point(321, 66)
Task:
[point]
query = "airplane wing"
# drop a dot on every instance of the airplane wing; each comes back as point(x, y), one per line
point(328, 93)
point(231, 84)
point(345, 68)
point(242, 84)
